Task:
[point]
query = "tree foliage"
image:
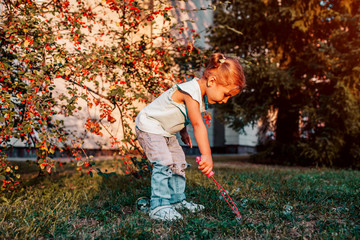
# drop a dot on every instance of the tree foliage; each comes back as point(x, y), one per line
point(106, 55)
point(302, 68)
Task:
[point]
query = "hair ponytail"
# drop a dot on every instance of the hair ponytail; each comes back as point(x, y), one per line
point(227, 70)
point(216, 60)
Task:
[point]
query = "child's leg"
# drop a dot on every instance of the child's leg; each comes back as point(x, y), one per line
point(160, 191)
point(177, 182)
point(157, 151)
point(160, 206)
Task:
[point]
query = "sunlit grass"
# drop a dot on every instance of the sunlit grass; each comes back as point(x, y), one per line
point(275, 202)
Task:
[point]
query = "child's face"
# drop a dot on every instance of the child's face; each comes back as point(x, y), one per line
point(221, 94)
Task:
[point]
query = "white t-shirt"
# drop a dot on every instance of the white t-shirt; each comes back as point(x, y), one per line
point(164, 116)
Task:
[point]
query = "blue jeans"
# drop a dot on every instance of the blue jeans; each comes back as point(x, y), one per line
point(166, 187)
point(168, 180)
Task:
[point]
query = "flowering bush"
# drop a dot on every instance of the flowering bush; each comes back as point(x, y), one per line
point(106, 57)
point(9, 179)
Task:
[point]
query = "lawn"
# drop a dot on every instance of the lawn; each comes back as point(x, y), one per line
point(275, 202)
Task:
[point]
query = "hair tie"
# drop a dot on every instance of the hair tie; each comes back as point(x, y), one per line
point(222, 60)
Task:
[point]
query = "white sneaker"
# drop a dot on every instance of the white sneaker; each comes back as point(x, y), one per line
point(192, 207)
point(165, 213)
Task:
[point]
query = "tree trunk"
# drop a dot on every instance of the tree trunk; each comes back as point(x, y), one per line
point(287, 123)
point(219, 131)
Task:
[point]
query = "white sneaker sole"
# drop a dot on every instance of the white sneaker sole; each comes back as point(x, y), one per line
point(164, 218)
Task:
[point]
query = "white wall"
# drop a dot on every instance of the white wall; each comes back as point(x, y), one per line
point(234, 138)
point(197, 15)
point(200, 20)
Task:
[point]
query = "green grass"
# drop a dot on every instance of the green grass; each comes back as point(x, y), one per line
point(321, 204)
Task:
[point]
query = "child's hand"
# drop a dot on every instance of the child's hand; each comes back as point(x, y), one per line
point(206, 164)
point(185, 137)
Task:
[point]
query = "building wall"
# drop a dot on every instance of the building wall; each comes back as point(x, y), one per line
point(248, 138)
point(197, 15)
point(198, 18)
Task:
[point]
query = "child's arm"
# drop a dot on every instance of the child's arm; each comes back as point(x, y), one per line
point(185, 137)
point(200, 133)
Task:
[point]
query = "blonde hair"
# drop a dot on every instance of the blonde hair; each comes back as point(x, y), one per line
point(227, 70)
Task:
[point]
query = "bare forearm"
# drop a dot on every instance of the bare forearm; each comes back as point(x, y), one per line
point(202, 139)
point(201, 135)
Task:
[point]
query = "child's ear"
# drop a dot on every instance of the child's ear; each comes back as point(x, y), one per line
point(211, 81)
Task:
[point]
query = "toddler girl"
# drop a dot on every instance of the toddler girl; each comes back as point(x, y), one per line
point(157, 124)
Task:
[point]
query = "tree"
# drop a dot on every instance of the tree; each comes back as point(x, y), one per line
point(100, 52)
point(301, 64)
